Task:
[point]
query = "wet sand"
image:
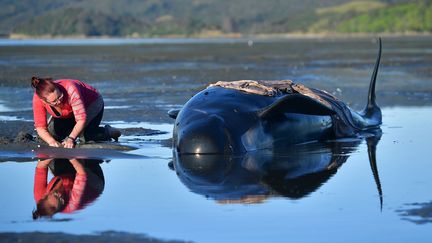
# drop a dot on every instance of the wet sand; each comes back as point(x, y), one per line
point(19, 142)
point(106, 237)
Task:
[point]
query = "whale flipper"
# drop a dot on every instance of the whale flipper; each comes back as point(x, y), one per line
point(296, 103)
point(173, 113)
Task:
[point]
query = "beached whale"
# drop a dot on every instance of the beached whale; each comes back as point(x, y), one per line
point(242, 116)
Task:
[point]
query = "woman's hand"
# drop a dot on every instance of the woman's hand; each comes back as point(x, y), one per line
point(43, 163)
point(46, 136)
point(68, 143)
point(54, 143)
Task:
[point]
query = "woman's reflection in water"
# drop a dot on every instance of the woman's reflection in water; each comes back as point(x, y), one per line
point(76, 183)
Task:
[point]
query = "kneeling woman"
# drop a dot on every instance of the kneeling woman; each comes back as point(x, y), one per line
point(76, 109)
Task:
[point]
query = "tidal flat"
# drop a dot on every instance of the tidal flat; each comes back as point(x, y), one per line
point(145, 199)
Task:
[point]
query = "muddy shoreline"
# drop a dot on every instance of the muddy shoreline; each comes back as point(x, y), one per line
point(106, 236)
point(19, 137)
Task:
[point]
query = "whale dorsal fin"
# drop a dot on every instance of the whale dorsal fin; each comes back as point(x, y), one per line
point(296, 103)
point(372, 113)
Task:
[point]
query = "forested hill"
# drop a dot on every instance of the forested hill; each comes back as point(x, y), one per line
point(146, 18)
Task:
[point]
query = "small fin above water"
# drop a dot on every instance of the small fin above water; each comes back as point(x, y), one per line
point(173, 113)
point(296, 103)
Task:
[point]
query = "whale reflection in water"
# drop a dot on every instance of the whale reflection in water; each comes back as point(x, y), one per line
point(294, 173)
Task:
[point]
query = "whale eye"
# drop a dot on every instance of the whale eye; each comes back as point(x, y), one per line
point(206, 93)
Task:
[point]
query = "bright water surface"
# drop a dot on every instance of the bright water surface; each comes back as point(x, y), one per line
point(145, 196)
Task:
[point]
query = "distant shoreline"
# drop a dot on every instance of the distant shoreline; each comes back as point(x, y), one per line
point(204, 36)
point(171, 40)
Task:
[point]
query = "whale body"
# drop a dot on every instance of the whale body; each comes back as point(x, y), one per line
point(237, 117)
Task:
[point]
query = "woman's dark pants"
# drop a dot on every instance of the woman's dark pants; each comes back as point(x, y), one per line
point(61, 128)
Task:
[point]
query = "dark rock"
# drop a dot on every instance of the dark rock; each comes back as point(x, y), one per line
point(139, 131)
point(4, 140)
point(24, 137)
point(167, 142)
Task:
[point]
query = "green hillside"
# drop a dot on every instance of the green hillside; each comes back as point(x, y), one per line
point(416, 17)
point(374, 17)
point(146, 18)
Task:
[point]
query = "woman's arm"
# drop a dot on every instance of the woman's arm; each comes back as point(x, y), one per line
point(69, 142)
point(43, 164)
point(76, 100)
point(79, 168)
point(39, 115)
point(40, 179)
point(46, 136)
point(77, 193)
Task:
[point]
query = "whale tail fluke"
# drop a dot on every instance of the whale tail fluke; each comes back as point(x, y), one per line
point(372, 113)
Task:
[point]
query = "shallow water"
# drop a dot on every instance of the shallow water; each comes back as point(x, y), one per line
point(145, 196)
point(238, 202)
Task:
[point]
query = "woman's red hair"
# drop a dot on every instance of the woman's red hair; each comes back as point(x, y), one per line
point(43, 86)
